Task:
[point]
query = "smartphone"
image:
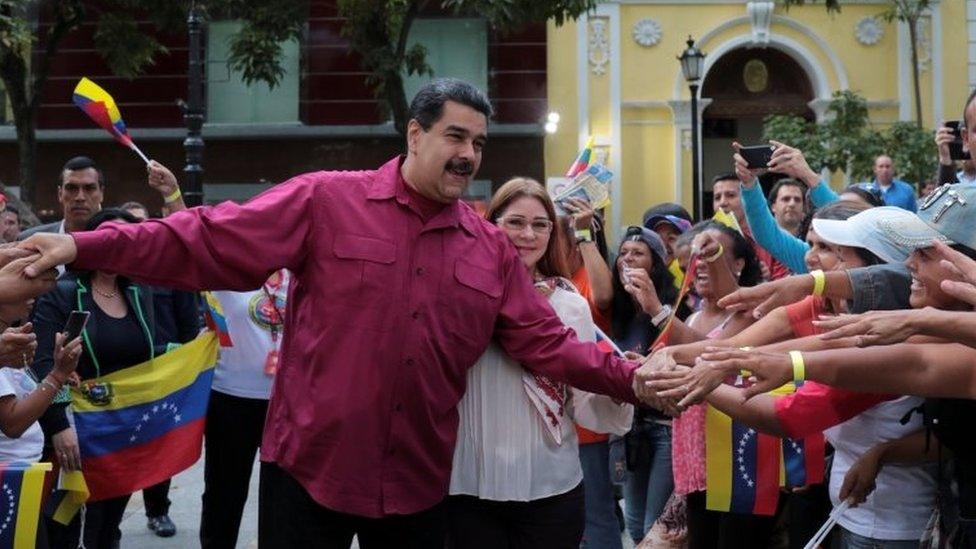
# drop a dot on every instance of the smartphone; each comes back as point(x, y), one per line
point(758, 156)
point(75, 324)
point(955, 148)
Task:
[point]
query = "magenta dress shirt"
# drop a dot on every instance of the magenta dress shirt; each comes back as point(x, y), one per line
point(386, 314)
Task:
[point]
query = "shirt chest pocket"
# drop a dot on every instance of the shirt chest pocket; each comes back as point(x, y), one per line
point(363, 270)
point(471, 298)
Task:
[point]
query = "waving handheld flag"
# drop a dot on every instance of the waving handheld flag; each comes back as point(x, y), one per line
point(582, 161)
point(100, 107)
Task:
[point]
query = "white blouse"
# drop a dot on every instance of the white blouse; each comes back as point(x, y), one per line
point(503, 451)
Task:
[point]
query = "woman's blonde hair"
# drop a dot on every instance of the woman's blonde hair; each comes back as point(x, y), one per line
point(553, 262)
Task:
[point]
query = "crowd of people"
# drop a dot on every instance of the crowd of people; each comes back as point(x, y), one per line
point(416, 375)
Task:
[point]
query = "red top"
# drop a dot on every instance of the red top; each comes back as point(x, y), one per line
point(814, 406)
point(386, 314)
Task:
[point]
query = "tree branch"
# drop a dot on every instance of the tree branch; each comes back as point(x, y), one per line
point(62, 27)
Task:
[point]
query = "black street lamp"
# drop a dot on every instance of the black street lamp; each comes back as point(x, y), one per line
point(692, 66)
point(193, 112)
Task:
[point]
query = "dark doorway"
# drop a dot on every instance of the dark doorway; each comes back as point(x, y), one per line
point(746, 85)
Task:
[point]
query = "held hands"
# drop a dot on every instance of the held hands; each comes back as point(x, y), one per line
point(18, 284)
point(690, 385)
point(658, 361)
point(48, 250)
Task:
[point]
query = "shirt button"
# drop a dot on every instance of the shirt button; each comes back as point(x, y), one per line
point(420, 271)
point(398, 407)
point(415, 315)
point(409, 362)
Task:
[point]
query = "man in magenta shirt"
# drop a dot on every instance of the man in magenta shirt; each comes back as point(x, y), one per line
point(398, 289)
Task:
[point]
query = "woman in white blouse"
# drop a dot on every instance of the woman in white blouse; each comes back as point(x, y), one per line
point(516, 479)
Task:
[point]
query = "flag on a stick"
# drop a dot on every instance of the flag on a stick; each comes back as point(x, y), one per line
point(101, 108)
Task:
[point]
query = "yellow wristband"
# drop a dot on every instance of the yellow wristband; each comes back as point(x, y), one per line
point(819, 282)
point(173, 197)
point(718, 254)
point(799, 368)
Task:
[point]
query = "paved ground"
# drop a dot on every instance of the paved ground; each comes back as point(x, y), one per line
point(185, 512)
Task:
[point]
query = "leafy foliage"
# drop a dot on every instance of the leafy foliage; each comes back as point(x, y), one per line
point(378, 29)
point(847, 142)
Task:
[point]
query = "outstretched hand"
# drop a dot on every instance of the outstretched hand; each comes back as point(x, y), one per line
point(769, 370)
point(48, 251)
point(964, 270)
point(871, 328)
point(766, 297)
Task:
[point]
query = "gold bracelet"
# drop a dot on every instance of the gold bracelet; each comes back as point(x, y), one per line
point(173, 197)
point(718, 254)
point(819, 282)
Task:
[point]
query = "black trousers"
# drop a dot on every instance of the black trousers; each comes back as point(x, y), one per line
point(101, 525)
point(715, 530)
point(232, 437)
point(156, 499)
point(288, 517)
point(555, 522)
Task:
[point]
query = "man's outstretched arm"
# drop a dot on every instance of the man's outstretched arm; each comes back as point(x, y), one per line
point(230, 246)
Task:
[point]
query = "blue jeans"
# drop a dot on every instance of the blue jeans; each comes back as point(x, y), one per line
point(650, 482)
point(845, 539)
point(601, 520)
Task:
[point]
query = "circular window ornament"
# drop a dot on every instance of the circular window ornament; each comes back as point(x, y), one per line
point(647, 32)
point(755, 76)
point(868, 31)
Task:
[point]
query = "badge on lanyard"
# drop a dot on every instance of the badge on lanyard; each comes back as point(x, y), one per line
point(276, 322)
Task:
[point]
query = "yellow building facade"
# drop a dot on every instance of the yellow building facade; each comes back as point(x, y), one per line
point(613, 74)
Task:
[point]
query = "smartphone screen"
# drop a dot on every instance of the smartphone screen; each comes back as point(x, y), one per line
point(75, 324)
point(758, 156)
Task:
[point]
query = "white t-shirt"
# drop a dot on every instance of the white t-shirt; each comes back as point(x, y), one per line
point(240, 368)
point(904, 496)
point(15, 381)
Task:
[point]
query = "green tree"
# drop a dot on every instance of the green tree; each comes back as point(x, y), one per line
point(27, 50)
point(906, 11)
point(847, 142)
point(378, 30)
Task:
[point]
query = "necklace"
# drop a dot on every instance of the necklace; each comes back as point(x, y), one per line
point(109, 295)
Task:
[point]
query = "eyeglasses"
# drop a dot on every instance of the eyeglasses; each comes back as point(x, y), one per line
point(517, 224)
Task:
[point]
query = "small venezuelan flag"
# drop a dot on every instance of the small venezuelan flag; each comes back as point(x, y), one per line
point(22, 487)
point(101, 108)
point(742, 467)
point(68, 497)
point(215, 319)
point(583, 160)
point(604, 342)
point(154, 419)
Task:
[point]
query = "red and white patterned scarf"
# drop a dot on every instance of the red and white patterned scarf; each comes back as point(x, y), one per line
point(548, 396)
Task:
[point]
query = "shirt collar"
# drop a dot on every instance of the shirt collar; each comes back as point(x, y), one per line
point(389, 183)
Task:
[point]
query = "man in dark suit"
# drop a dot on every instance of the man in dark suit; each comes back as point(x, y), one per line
point(80, 193)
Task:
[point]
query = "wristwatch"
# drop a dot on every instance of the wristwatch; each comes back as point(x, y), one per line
point(583, 235)
point(661, 316)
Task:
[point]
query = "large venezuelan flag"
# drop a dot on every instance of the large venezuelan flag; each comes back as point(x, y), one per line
point(153, 427)
point(742, 467)
point(21, 491)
